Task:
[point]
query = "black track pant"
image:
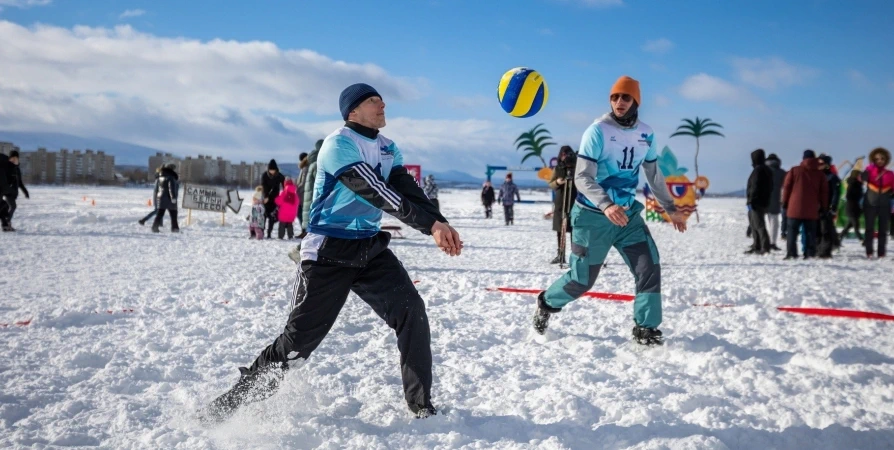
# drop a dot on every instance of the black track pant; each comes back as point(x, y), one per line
point(160, 216)
point(369, 269)
point(873, 213)
point(760, 236)
point(286, 227)
point(7, 209)
point(508, 213)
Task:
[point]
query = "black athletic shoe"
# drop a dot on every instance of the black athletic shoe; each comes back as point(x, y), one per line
point(425, 412)
point(8, 228)
point(251, 387)
point(142, 222)
point(647, 336)
point(775, 248)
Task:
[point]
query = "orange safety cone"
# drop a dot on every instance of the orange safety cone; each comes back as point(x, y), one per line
point(84, 198)
point(149, 202)
point(93, 202)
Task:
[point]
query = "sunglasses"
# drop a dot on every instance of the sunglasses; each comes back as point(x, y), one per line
point(625, 97)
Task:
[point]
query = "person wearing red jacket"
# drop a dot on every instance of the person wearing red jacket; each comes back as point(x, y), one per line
point(805, 194)
point(287, 204)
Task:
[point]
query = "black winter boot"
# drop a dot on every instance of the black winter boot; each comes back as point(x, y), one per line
point(424, 412)
point(647, 336)
point(559, 259)
point(542, 314)
point(251, 387)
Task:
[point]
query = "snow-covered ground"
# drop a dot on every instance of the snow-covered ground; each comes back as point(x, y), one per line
point(131, 332)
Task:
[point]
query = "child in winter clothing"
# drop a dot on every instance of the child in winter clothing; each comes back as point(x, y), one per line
point(288, 204)
point(256, 223)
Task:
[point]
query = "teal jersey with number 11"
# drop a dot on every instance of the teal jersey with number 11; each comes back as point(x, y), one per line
point(618, 153)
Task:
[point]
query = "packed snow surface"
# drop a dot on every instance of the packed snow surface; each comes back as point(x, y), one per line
point(131, 332)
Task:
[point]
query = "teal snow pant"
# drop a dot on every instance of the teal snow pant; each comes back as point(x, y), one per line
point(592, 236)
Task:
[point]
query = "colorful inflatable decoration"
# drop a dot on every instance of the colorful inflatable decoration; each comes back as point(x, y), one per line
point(844, 171)
point(681, 188)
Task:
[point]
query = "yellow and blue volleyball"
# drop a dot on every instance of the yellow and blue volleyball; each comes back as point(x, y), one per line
point(522, 92)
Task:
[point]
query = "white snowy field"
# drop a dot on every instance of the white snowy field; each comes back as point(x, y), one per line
point(131, 332)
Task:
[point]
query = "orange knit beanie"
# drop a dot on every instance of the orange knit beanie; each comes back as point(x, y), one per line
point(627, 85)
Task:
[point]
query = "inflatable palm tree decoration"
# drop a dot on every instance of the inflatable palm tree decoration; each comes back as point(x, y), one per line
point(534, 142)
point(697, 129)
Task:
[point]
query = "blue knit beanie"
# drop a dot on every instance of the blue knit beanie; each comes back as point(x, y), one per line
point(353, 96)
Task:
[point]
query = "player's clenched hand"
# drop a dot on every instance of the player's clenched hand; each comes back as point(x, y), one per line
point(679, 221)
point(446, 238)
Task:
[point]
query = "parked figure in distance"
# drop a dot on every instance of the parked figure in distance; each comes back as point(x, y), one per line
point(431, 190)
point(508, 195)
point(877, 203)
point(828, 235)
point(564, 195)
point(853, 208)
point(487, 199)
point(759, 192)
point(272, 181)
point(805, 193)
point(10, 183)
point(258, 216)
point(154, 201)
point(774, 226)
point(166, 188)
point(287, 206)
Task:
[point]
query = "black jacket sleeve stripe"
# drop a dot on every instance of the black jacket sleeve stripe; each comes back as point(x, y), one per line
point(379, 185)
point(357, 179)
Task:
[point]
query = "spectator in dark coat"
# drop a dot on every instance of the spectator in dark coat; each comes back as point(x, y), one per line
point(877, 203)
point(508, 195)
point(759, 192)
point(309, 185)
point(853, 196)
point(805, 193)
point(302, 177)
point(154, 201)
point(167, 186)
point(272, 182)
point(828, 235)
point(487, 199)
point(10, 183)
point(775, 208)
point(564, 194)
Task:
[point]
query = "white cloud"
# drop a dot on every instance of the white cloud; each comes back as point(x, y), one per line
point(546, 32)
point(858, 78)
point(704, 87)
point(472, 102)
point(770, 73)
point(662, 101)
point(24, 3)
point(240, 100)
point(131, 13)
point(662, 45)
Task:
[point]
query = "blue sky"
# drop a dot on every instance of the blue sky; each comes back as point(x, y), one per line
point(254, 80)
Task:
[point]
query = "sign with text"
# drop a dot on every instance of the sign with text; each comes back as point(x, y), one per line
point(211, 198)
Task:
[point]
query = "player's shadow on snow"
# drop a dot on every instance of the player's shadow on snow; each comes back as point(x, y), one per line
point(476, 271)
point(859, 355)
point(707, 342)
point(578, 435)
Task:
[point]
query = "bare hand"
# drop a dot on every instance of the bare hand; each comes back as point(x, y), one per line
point(616, 215)
point(560, 181)
point(679, 221)
point(446, 238)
